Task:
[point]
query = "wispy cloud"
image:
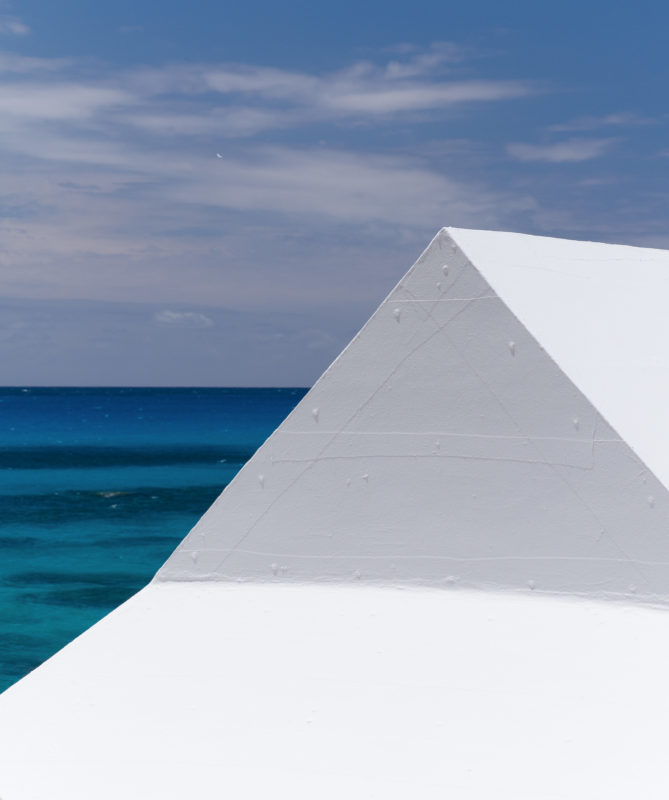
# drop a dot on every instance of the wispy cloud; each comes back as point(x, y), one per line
point(239, 101)
point(16, 64)
point(571, 150)
point(110, 184)
point(365, 89)
point(113, 121)
point(248, 99)
point(12, 26)
point(185, 319)
point(345, 186)
point(44, 102)
point(592, 123)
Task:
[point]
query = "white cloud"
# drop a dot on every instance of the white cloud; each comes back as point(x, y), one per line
point(112, 182)
point(44, 102)
point(176, 100)
point(93, 119)
point(365, 90)
point(571, 150)
point(28, 65)
point(272, 83)
point(259, 98)
point(424, 63)
point(370, 100)
point(12, 26)
point(591, 123)
point(346, 186)
point(184, 319)
point(230, 122)
point(122, 122)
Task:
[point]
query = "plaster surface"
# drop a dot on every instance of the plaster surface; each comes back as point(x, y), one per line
point(461, 438)
point(600, 311)
point(220, 690)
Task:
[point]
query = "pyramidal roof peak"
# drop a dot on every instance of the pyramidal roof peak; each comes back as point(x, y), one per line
point(498, 423)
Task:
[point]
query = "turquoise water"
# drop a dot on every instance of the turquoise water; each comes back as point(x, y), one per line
point(97, 487)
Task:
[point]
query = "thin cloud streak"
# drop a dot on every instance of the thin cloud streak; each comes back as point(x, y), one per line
point(363, 89)
point(12, 26)
point(58, 101)
point(592, 123)
point(253, 98)
point(345, 186)
point(571, 150)
point(13, 63)
point(108, 126)
point(184, 319)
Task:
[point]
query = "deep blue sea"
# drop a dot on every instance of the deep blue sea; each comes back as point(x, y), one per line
point(97, 487)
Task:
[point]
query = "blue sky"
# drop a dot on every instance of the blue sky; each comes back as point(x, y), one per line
point(220, 193)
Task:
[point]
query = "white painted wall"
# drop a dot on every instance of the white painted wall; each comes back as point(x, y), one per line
point(445, 445)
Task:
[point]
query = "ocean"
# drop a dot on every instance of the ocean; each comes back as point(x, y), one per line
point(97, 487)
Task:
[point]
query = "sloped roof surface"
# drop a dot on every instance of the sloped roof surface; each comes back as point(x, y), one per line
point(463, 436)
point(601, 312)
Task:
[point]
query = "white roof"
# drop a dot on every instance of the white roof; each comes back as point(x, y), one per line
point(210, 691)
point(463, 436)
point(497, 425)
point(601, 312)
